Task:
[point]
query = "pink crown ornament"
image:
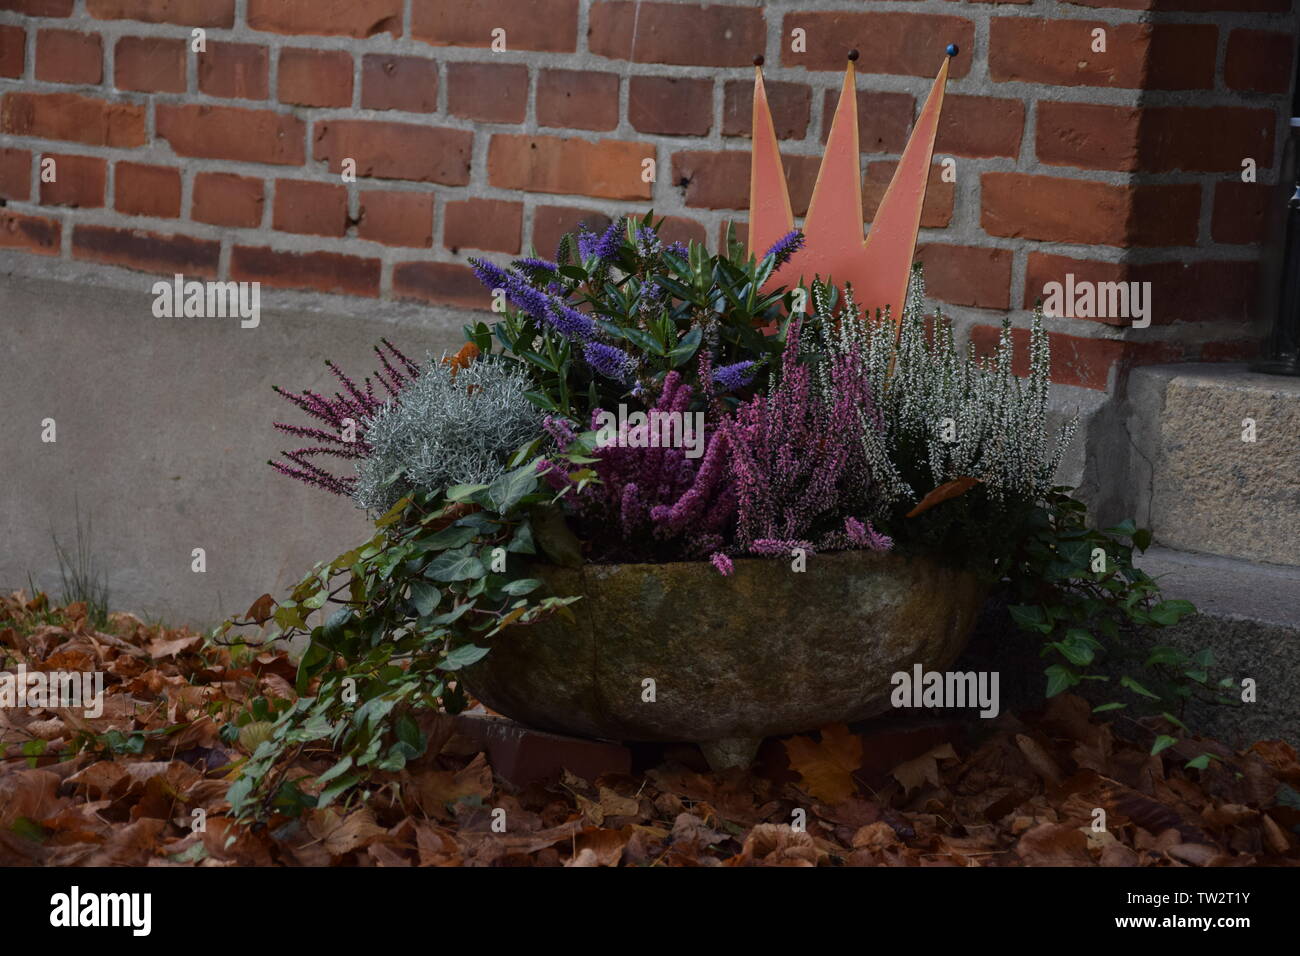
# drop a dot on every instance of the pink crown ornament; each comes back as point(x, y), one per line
point(877, 267)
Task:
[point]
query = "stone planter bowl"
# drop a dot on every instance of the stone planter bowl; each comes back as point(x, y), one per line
point(734, 659)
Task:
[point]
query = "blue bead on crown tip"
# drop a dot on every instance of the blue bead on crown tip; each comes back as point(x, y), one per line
point(952, 49)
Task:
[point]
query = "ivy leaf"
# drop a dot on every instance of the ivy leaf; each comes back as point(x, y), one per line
point(425, 597)
point(461, 492)
point(1163, 742)
point(507, 490)
point(1059, 678)
point(520, 587)
point(463, 656)
point(459, 565)
point(1137, 688)
point(554, 537)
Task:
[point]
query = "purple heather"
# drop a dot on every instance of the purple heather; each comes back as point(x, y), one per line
point(797, 457)
point(358, 404)
point(654, 502)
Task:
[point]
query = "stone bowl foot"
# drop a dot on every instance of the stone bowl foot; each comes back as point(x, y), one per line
point(730, 752)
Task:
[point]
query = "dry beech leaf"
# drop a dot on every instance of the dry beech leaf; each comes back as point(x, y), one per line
point(923, 769)
point(261, 610)
point(826, 767)
point(949, 489)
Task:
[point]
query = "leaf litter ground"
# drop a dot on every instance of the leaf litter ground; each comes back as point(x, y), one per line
point(1019, 791)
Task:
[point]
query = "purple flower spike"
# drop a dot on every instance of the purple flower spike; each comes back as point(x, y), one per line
point(609, 361)
point(734, 377)
point(604, 246)
point(722, 563)
point(785, 247)
point(569, 322)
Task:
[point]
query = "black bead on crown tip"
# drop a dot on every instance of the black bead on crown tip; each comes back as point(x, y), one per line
point(853, 55)
point(953, 49)
point(758, 60)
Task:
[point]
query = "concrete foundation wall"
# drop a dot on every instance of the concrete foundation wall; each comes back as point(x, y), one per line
point(163, 430)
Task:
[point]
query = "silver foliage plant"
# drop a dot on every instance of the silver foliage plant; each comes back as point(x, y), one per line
point(452, 426)
point(970, 416)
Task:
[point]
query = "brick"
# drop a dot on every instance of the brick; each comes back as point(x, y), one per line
point(1166, 56)
point(884, 119)
point(189, 13)
point(66, 56)
point(1195, 6)
point(716, 35)
point(229, 132)
point(396, 218)
point(15, 174)
point(1181, 291)
point(1078, 361)
point(315, 77)
point(789, 103)
point(1017, 205)
point(407, 83)
point(577, 99)
point(429, 154)
point(78, 181)
point(1235, 351)
point(150, 65)
point(908, 43)
point(721, 180)
point(1259, 60)
point(671, 106)
point(13, 50)
point(349, 18)
point(547, 25)
point(1240, 212)
point(490, 92)
point(315, 271)
point(224, 199)
point(315, 209)
point(146, 251)
point(975, 276)
point(550, 223)
point(523, 756)
point(493, 224)
point(30, 233)
point(1088, 136)
point(235, 71)
point(609, 168)
point(69, 116)
point(440, 283)
point(39, 8)
point(980, 126)
point(1083, 362)
point(1174, 138)
point(1157, 139)
point(140, 189)
point(681, 229)
point(936, 213)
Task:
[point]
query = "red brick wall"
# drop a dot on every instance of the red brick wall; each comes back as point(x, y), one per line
point(1117, 165)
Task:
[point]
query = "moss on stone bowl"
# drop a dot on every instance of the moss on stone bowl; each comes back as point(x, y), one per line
point(764, 651)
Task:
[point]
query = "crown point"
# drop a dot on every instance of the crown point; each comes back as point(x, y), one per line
point(853, 55)
point(953, 49)
point(758, 60)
